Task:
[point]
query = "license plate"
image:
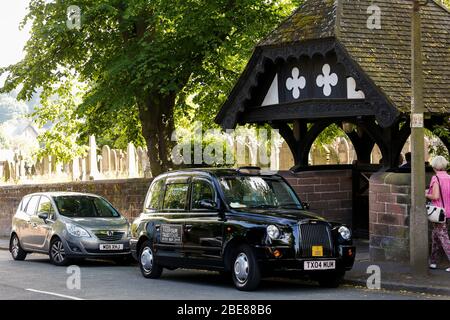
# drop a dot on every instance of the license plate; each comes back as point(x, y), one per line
point(317, 251)
point(111, 247)
point(320, 265)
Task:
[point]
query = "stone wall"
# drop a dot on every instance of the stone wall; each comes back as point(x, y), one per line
point(328, 192)
point(126, 195)
point(390, 204)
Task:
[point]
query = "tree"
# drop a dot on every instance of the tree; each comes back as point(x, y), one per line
point(141, 59)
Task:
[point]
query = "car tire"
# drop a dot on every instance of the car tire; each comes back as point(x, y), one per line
point(245, 272)
point(16, 250)
point(57, 253)
point(149, 268)
point(331, 280)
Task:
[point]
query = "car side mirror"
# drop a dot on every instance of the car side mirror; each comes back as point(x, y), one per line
point(43, 215)
point(208, 204)
point(305, 205)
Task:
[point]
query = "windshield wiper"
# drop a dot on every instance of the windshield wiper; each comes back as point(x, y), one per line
point(264, 206)
point(290, 205)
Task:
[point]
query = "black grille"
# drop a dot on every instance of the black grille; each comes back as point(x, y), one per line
point(315, 235)
point(109, 235)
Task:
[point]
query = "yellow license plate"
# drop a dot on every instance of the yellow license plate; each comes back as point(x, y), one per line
point(317, 251)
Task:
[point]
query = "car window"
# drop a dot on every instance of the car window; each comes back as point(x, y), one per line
point(175, 196)
point(31, 206)
point(201, 190)
point(45, 206)
point(85, 207)
point(24, 202)
point(154, 195)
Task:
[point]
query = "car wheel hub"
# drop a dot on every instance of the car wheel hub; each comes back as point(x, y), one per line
point(147, 259)
point(58, 253)
point(15, 247)
point(241, 268)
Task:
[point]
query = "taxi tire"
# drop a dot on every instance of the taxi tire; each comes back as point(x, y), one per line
point(254, 273)
point(156, 270)
point(332, 280)
point(21, 254)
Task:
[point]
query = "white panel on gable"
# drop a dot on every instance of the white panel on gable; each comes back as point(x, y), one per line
point(272, 95)
point(351, 90)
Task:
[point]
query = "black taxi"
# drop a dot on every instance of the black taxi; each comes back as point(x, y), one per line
point(240, 222)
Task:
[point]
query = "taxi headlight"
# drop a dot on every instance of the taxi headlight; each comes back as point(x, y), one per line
point(273, 232)
point(345, 233)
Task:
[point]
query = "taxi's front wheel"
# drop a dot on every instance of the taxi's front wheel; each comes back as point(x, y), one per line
point(245, 269)
point(149, 268)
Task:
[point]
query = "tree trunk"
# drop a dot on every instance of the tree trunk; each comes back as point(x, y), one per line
point(156, 115)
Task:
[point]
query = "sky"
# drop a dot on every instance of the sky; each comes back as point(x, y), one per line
point(11, 38)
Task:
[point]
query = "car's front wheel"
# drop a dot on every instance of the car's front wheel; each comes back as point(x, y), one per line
point(149, 268)
point(245, 273)
point(16, 250)
point(57, 253)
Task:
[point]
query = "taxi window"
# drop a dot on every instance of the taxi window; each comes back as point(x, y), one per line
point(175, 197)
point(154, 195)
point(201, 190)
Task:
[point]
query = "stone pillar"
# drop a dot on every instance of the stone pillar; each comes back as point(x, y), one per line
point(75, 172)
point(389, 210)
point(92, 159)
point(131, 161)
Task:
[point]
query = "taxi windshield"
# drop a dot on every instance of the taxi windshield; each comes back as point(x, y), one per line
point(258, 192)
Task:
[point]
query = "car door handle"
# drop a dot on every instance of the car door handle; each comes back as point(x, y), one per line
point(34, 224)
point(188, 227)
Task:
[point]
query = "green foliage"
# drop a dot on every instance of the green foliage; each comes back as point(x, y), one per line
point(58, 106)
point(133, 55)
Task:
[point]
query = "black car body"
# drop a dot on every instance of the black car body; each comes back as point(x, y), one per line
point(195, 219)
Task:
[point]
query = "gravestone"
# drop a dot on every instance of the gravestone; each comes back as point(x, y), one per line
point(131, 161)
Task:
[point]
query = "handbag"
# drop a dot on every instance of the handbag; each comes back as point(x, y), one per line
point(436, 214)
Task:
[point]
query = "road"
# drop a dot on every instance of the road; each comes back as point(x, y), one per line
point(36, 278)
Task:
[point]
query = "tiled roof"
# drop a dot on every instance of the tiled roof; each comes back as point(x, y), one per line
point(385, 54)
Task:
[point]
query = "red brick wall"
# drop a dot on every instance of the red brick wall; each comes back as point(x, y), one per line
point(126, 195)
point(389, 209)
point(328, 192)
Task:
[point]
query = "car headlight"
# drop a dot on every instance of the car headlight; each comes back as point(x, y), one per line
point(77, 231)
point(345, 233)
point(273, 232)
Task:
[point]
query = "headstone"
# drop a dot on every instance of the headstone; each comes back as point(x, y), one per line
point(131, 161)
point(92, 159)
point(343, 150)
point(114, 162)
point(106, 160)
point(75, 171)
point(46, 165)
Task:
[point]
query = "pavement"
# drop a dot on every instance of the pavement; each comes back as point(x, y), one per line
point(394, 276)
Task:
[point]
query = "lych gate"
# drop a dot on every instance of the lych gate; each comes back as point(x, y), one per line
point(326, 64)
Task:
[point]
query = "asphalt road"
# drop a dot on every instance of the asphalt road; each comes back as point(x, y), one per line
point(36, 278)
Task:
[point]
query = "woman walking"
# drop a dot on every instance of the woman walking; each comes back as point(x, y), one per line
point(440, 185)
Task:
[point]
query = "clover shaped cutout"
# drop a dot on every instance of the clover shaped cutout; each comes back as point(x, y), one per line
point(327, 80)
point(296, 83)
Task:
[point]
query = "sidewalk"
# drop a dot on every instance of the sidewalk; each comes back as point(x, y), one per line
point(396, 276)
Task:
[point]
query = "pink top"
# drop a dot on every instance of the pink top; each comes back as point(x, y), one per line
point(444, 179)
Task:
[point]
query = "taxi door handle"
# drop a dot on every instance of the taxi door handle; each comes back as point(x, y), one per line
point(188, 227)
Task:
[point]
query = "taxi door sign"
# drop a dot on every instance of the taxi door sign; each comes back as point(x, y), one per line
point(171, 233)
point(317, 251)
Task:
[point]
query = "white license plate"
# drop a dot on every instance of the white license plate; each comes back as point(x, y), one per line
point(111, 247)
point(320, 265)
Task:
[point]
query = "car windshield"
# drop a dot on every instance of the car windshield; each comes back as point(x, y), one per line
point(259, 192)
point(85, 207)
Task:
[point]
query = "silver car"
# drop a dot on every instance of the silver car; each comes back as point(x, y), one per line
point(69, 225)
